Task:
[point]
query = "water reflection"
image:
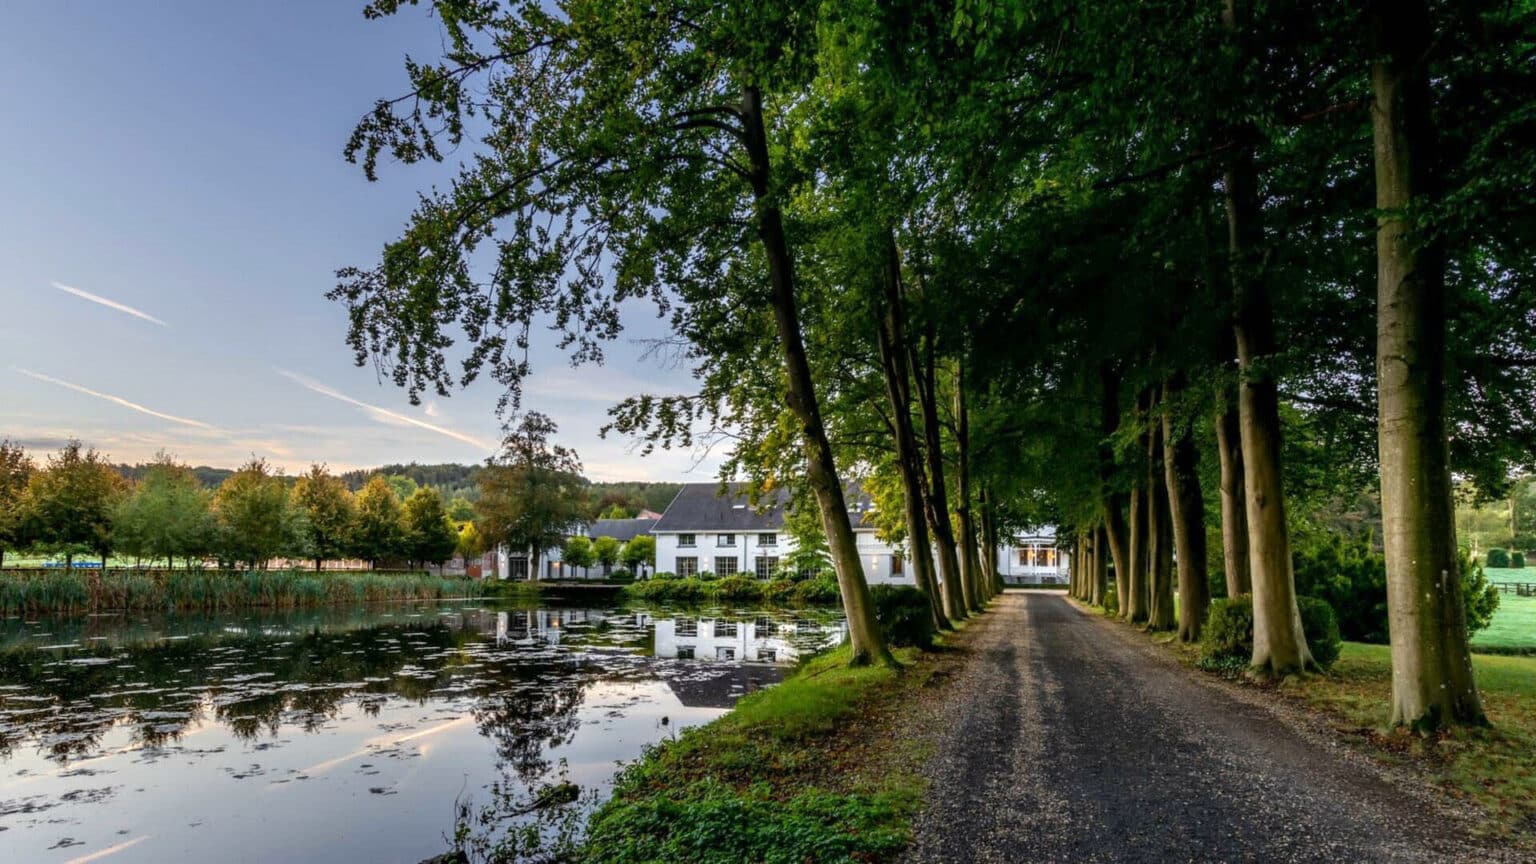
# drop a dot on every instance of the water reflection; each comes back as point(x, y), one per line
point(351, 730)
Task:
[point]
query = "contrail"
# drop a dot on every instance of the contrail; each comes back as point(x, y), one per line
point(118, 400)
point(323, 390)
point(110, 304)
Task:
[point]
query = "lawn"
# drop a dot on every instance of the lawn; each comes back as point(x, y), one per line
point(1495, 768)
point(1513, 627)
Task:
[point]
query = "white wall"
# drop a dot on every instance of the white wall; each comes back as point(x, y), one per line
point(874, 555)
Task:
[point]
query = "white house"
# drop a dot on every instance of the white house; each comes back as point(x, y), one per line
point(1033, 559)
point(705, 530)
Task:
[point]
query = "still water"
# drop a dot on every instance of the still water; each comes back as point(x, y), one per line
point(344, 734)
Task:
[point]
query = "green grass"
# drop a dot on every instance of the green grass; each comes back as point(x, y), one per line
point(803, 771)
point(47, 592)
point(1513, 628)
point(1494, 768)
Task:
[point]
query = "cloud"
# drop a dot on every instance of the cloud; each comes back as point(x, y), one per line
point(117, 400)
point(431, 409)
point(110, 304)
point(382, 415)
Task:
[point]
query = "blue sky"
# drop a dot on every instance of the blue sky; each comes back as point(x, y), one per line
point(173, 204)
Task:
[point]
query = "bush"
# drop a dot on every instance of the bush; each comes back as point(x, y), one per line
point(706, 576)
point(1228, 635)
point(664, 575)
point(1111, 599)
point(821, 589)
point(1322, 629)
point(620, 574)
point(779, 591)
point(1498, 558)
point(1351, 576)
point(1517, 560)
point(1481, 598)
point(905, 616)
point(738, 588)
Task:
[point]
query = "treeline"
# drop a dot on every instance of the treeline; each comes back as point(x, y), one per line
point(76, 503)
point(1137, 269)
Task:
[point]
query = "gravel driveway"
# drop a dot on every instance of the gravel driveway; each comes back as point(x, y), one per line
point(1070, 738)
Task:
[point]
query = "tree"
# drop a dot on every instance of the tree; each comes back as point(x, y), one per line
point(606, 552)
point(578, 553)
point(470, 544)
point(460, 509)
point(428, 536)
point(254, 521)
point(167, 515)
point(328, 510)
point(532, 495)
point(68, 505)
point(377, 534)
point(403, 485)
point(15, 470)
point(639, 552)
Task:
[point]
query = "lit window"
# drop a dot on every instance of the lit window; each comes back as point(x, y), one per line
point(898, 565)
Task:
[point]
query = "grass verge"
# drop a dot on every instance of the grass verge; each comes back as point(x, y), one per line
point(813, 769)
point(1494, 769)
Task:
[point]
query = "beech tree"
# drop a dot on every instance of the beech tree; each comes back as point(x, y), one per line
point(254, 521)
point(377, 530)
point(427, 536)
point(325, 532)
point(67, 506)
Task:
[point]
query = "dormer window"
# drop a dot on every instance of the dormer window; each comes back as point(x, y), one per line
point(726, 540)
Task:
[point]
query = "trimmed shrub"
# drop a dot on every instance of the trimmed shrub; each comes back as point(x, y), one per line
point(706, 576)
point(1517, 560)
point(904, 615)
point(620, 574)
point(738, 588)
point(1228, 635)
point(822, 589)
point(1322, 629)
point(664, 575)
point(1498, 558)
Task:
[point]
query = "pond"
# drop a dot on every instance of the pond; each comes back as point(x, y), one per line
point(345, 734)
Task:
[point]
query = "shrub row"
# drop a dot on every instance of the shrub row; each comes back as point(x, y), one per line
point(1227, 641)
point(665, 587)
point(78, 591)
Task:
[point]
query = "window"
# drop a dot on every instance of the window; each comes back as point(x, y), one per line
point(767, 655)
point(726, 628)
point(685, 540)
point(685, 653)
point(725, 653)
point(767, 539)
point(1042, 557)
point(726, 566)
point(687, 566)
point(809, 568)
point(1023, 556)
point(898, 565)
point(726, 540)
point(766, 565)
point(764, 627)
point(687, 627)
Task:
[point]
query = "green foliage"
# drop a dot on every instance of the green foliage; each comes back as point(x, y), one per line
point(377, 534)
point(738, 589)
point(1498, 558)
point(780, 592)
point(532, 495)
point(820, 589)
point(15, 470)
point(639, 552)
point(325, 532)
point(605, 551)
point(460, 509)
point(671, 589)
point(577, 552)
point(1351, 576)
point(1480, 597)
point(167, 515)
point(1517, 560)
point(1228, 635)
point(1321, 627)
point(905, 616)
point(254, 520)
point(68, 505)
point(427, 535)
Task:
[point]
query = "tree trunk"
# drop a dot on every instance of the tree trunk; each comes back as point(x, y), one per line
point(1161, 614)
point(1234, 514)
point(1432, 680)
point(317, 565)
point(1186, 510)
point(1100, 566)
point(936, 505)
point(1137, 596)
point(1279, 647)
point(1112, 504)
point(970, 563)
point(989, 541)
point(864, 635)
point(892, 345)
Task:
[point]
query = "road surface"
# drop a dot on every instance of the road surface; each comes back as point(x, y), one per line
point(1071, 738)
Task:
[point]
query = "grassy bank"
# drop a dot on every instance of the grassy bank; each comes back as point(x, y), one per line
point(1494, 768)
point(808, 770)
point(63, 592)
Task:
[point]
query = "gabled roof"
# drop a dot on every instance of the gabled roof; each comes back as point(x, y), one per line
point(622, 530)
point(703, 507)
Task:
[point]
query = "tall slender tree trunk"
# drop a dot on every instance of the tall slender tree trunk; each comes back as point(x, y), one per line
point(864, 635)
point(1279, 647)
point(1432, 680)
point(1112, 504)
point(1186, 510)
point(936, 505)
point(970, 563)
point(989, 539)
point(892, 345)
point(1234, 507)
point(1137, 596)
point(1161, 614)
point(1100, 565)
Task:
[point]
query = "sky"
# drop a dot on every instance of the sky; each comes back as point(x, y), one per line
point(173, 207)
